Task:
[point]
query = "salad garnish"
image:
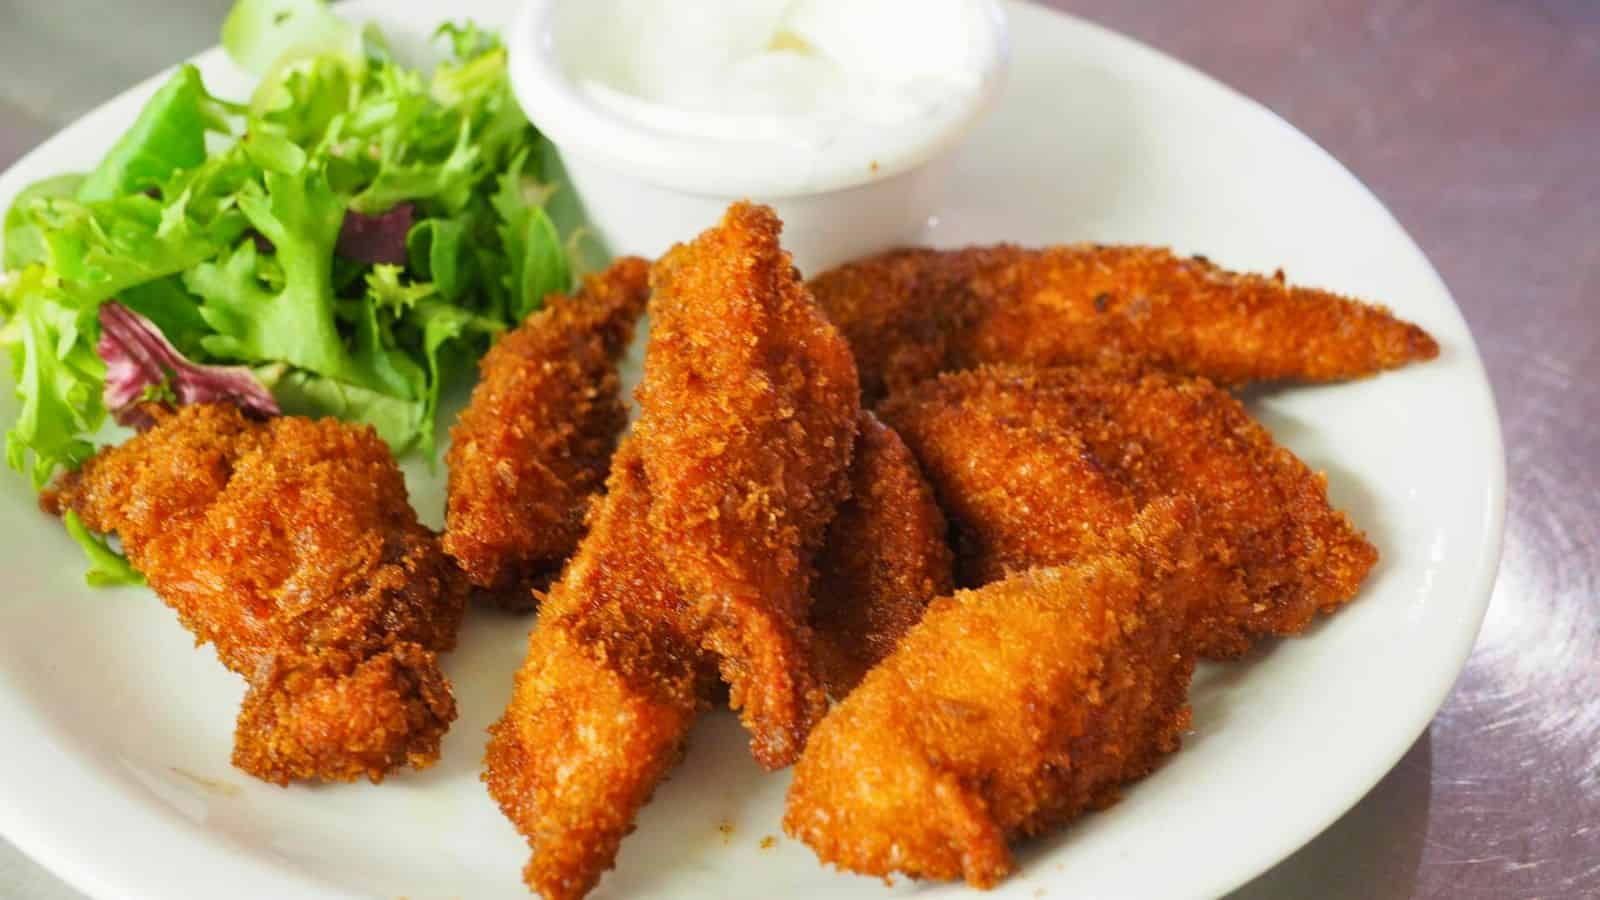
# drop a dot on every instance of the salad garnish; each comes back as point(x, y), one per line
point(344, 242)
point(350, 237)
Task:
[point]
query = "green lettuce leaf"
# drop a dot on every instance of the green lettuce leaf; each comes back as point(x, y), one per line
point(169, 135)
point(437, 251)
point(392, 295)
point(437, 142)
point(422, 319)
point(24, 238)
point(274, 152)
point(97, 250)
point(467, 41)
point(173, 310)
point(86, 253)
point(256, 322)
point(258, 32)
point(408, 175)
point(307, 98)
point(537, 259)
point(477, 87)
point(374, 351)
point(282, 309)
point(57, 374)
point(107, 567)
point(299, 393)
point(209, 192)
point(444, 326)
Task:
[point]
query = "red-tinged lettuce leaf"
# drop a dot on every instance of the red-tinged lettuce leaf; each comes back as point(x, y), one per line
point(379, 239)
point(141, 366)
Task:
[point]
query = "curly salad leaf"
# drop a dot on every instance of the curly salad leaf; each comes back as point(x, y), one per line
point(349, 239)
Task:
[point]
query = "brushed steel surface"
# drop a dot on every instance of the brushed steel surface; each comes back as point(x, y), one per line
point(1478, 123)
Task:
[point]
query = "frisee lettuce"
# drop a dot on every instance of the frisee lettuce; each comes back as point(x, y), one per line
point(57, 376)
point(257, 33)
point(220, 223)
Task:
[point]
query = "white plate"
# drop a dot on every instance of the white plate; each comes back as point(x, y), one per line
point(117, 732)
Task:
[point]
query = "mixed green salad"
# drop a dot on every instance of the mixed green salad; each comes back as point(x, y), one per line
point(344, 242)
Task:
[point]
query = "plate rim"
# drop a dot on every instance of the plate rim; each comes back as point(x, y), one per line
point(53, 844)
point(1492, 537)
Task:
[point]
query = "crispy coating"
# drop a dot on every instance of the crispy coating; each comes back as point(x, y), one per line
point(747, 420)
point(1020, 492)
point(910, 314)
point(604, 701)
point(532, 446)
point(885, 558)
point(1007, 711)
point(290, 546)
point(1030, 464)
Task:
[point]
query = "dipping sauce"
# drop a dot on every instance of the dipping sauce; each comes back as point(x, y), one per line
point(834, 111)
point(858, 79)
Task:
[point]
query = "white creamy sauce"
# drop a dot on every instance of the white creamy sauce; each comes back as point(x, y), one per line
point(840, 74)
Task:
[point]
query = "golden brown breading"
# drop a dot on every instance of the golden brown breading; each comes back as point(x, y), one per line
point(747, 418)
point(884, 559)
point(1019, 492)
point(290, 546)
point(532, 446)
point(603, 703)
point(910, 314)
point(1030, 464)
point(1007, 711)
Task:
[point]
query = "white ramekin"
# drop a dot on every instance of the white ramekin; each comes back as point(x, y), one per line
point(645, 189)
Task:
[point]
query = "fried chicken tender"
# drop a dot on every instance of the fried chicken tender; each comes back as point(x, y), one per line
point(612, 682)
point(884, 560)
point(290, 546)
point(747, 420)
point(1031, 464)
point(1006, 712)
point(910, 314)
point(532, 446)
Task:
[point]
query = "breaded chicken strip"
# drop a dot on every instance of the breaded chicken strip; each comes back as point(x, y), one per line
point(747, 419)
point(884, 560)
point(533, 444)
point(1019, 492)
point(290, 546)
point(1006, 712)
point(1030, 464)
point(603, 702)
point(910, 314)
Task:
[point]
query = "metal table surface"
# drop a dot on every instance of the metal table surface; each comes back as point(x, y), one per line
point(1478, 123)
